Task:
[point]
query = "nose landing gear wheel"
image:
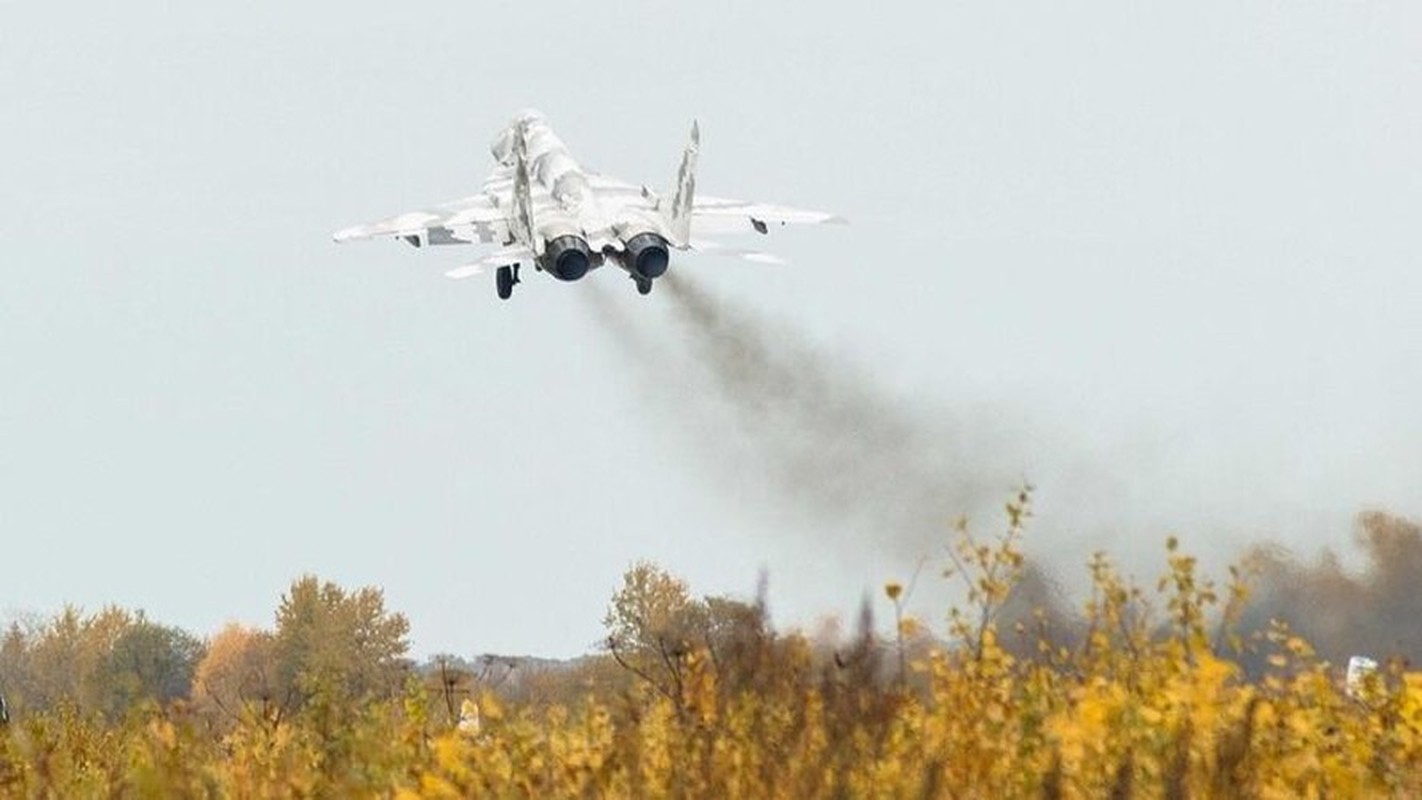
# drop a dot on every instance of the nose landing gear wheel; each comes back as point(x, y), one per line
point(644, 285)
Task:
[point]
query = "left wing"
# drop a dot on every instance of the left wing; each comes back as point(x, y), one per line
point(473, 219)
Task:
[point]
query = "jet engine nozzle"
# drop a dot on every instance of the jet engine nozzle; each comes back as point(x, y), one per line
point(647, 255)
point(567, 257)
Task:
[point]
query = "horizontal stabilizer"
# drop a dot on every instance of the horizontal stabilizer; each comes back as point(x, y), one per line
point(718, 249)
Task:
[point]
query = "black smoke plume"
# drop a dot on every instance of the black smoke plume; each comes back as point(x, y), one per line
point(762, 403)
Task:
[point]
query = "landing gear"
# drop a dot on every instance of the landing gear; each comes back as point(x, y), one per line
point(644, 285)
point(505, 279)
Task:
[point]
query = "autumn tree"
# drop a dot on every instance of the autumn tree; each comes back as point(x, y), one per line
point(652, 625)
point(339, 646)
point(65, 655)
point(738, 640)
point(238, 677)
point(15, 676)
point(655, 626)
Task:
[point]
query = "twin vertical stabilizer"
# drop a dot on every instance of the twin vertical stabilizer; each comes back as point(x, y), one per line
point(678, 214)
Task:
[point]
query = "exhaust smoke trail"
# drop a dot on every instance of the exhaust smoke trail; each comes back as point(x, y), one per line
point(827, 442)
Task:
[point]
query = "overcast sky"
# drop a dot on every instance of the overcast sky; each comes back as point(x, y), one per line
point(1163, 261)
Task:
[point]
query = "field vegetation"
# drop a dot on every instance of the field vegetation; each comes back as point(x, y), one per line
point(1180, 688)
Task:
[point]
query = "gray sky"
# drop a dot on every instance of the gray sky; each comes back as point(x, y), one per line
point(1165, 258)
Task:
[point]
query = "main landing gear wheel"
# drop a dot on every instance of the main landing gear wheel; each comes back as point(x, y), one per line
point(505, 279)
point(644, 285)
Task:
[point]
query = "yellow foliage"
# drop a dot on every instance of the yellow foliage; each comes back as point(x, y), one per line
point(1129, 711)
point(983, 725)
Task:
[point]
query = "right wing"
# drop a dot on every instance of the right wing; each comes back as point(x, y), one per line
point(716, 215)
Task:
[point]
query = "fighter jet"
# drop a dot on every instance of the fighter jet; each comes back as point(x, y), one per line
point(543, 209)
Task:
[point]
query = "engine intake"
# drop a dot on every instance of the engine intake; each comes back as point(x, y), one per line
point(647, 255)
point(567, 257)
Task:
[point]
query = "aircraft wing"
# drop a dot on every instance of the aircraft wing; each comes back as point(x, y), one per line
point(473, 219)
point(717, 215)
point(712, 216)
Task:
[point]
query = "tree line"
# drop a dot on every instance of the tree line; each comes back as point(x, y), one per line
point(328, 646)
point(331, 648)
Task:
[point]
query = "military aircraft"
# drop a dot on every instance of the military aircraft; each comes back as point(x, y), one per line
point(542, 208)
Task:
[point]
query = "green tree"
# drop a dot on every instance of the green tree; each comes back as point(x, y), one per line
point(147, 661)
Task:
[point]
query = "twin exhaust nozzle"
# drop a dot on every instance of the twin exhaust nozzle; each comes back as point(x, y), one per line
point(568, 257)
